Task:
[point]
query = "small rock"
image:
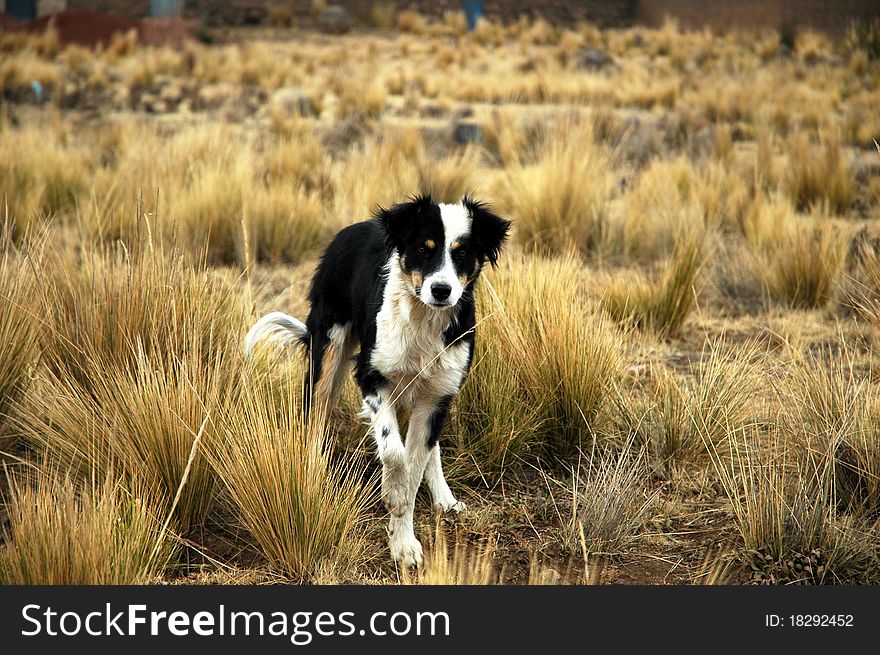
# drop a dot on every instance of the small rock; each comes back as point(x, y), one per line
point(334, 20)
point(592, 59)
point(467, 132)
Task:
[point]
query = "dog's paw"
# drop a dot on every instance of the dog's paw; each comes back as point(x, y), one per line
point(405, 548)
point(451, 505)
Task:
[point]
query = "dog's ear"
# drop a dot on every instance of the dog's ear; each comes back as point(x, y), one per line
point(399, 221)
point(489, 230)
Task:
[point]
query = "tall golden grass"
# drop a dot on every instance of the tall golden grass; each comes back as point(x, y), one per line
point(19, 328)
point(560, 195)
point(65, 533)
point(304, 509)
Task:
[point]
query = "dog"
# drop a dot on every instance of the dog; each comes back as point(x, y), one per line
point(401, 288)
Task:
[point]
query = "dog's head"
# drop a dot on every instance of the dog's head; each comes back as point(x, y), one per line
point(442, 248)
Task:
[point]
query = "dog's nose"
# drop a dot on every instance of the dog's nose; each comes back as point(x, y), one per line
point(441, 291)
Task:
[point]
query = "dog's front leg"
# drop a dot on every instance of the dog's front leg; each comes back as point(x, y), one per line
point(379, 409)
point(404, 544)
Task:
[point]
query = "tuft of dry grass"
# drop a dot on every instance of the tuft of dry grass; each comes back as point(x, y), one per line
point(282, 225)
point(817, 176)
point(836, 417)
point(559, 196)
point(663, 303)
point(611, 501)
point(97, 533)
point(42, 175)
point(139, 358)
point(683, 418)
point(783, 509)
point(18, 332)
point(464, 565)
point(561, 353)
point(304, 509)
point(384, 15)
point(800, 268)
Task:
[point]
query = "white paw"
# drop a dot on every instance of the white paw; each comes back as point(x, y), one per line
point(405, 548)
point(451, 505)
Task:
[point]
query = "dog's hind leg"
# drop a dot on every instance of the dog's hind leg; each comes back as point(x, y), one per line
point(442, 499)
point(331, 351)
point(441, 495)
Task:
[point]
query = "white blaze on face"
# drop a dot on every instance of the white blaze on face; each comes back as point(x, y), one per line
point(456, 225)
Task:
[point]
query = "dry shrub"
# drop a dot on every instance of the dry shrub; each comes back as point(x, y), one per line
point(304, 510)
point(542, 384)
point(661, 303)
point(817, 176)
point(611, 501)
point(97, 533)
point(141, 356)
point(784, 513)
point(18, 332)
point(560, 197)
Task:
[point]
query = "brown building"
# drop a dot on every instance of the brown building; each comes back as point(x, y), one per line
point(831, 16)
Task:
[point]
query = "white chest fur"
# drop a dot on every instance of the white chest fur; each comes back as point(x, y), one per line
point(410, 349)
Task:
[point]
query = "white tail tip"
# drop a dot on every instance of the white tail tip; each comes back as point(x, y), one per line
point(277, 326)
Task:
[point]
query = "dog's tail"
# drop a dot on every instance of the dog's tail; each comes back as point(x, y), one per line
point(277, 326)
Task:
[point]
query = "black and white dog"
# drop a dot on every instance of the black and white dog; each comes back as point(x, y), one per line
point(402, 287)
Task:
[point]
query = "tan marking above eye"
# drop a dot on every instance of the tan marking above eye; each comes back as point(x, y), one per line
point(430, 245)
point(455, 245)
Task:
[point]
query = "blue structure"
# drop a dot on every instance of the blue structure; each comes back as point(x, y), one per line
point(21, 9)
point(473, 9)
point(164, 8)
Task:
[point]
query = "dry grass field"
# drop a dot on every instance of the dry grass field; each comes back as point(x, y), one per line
point(677, 377)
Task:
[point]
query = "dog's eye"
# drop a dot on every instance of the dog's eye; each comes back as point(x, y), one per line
point(421, 250)
point(461, 253)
